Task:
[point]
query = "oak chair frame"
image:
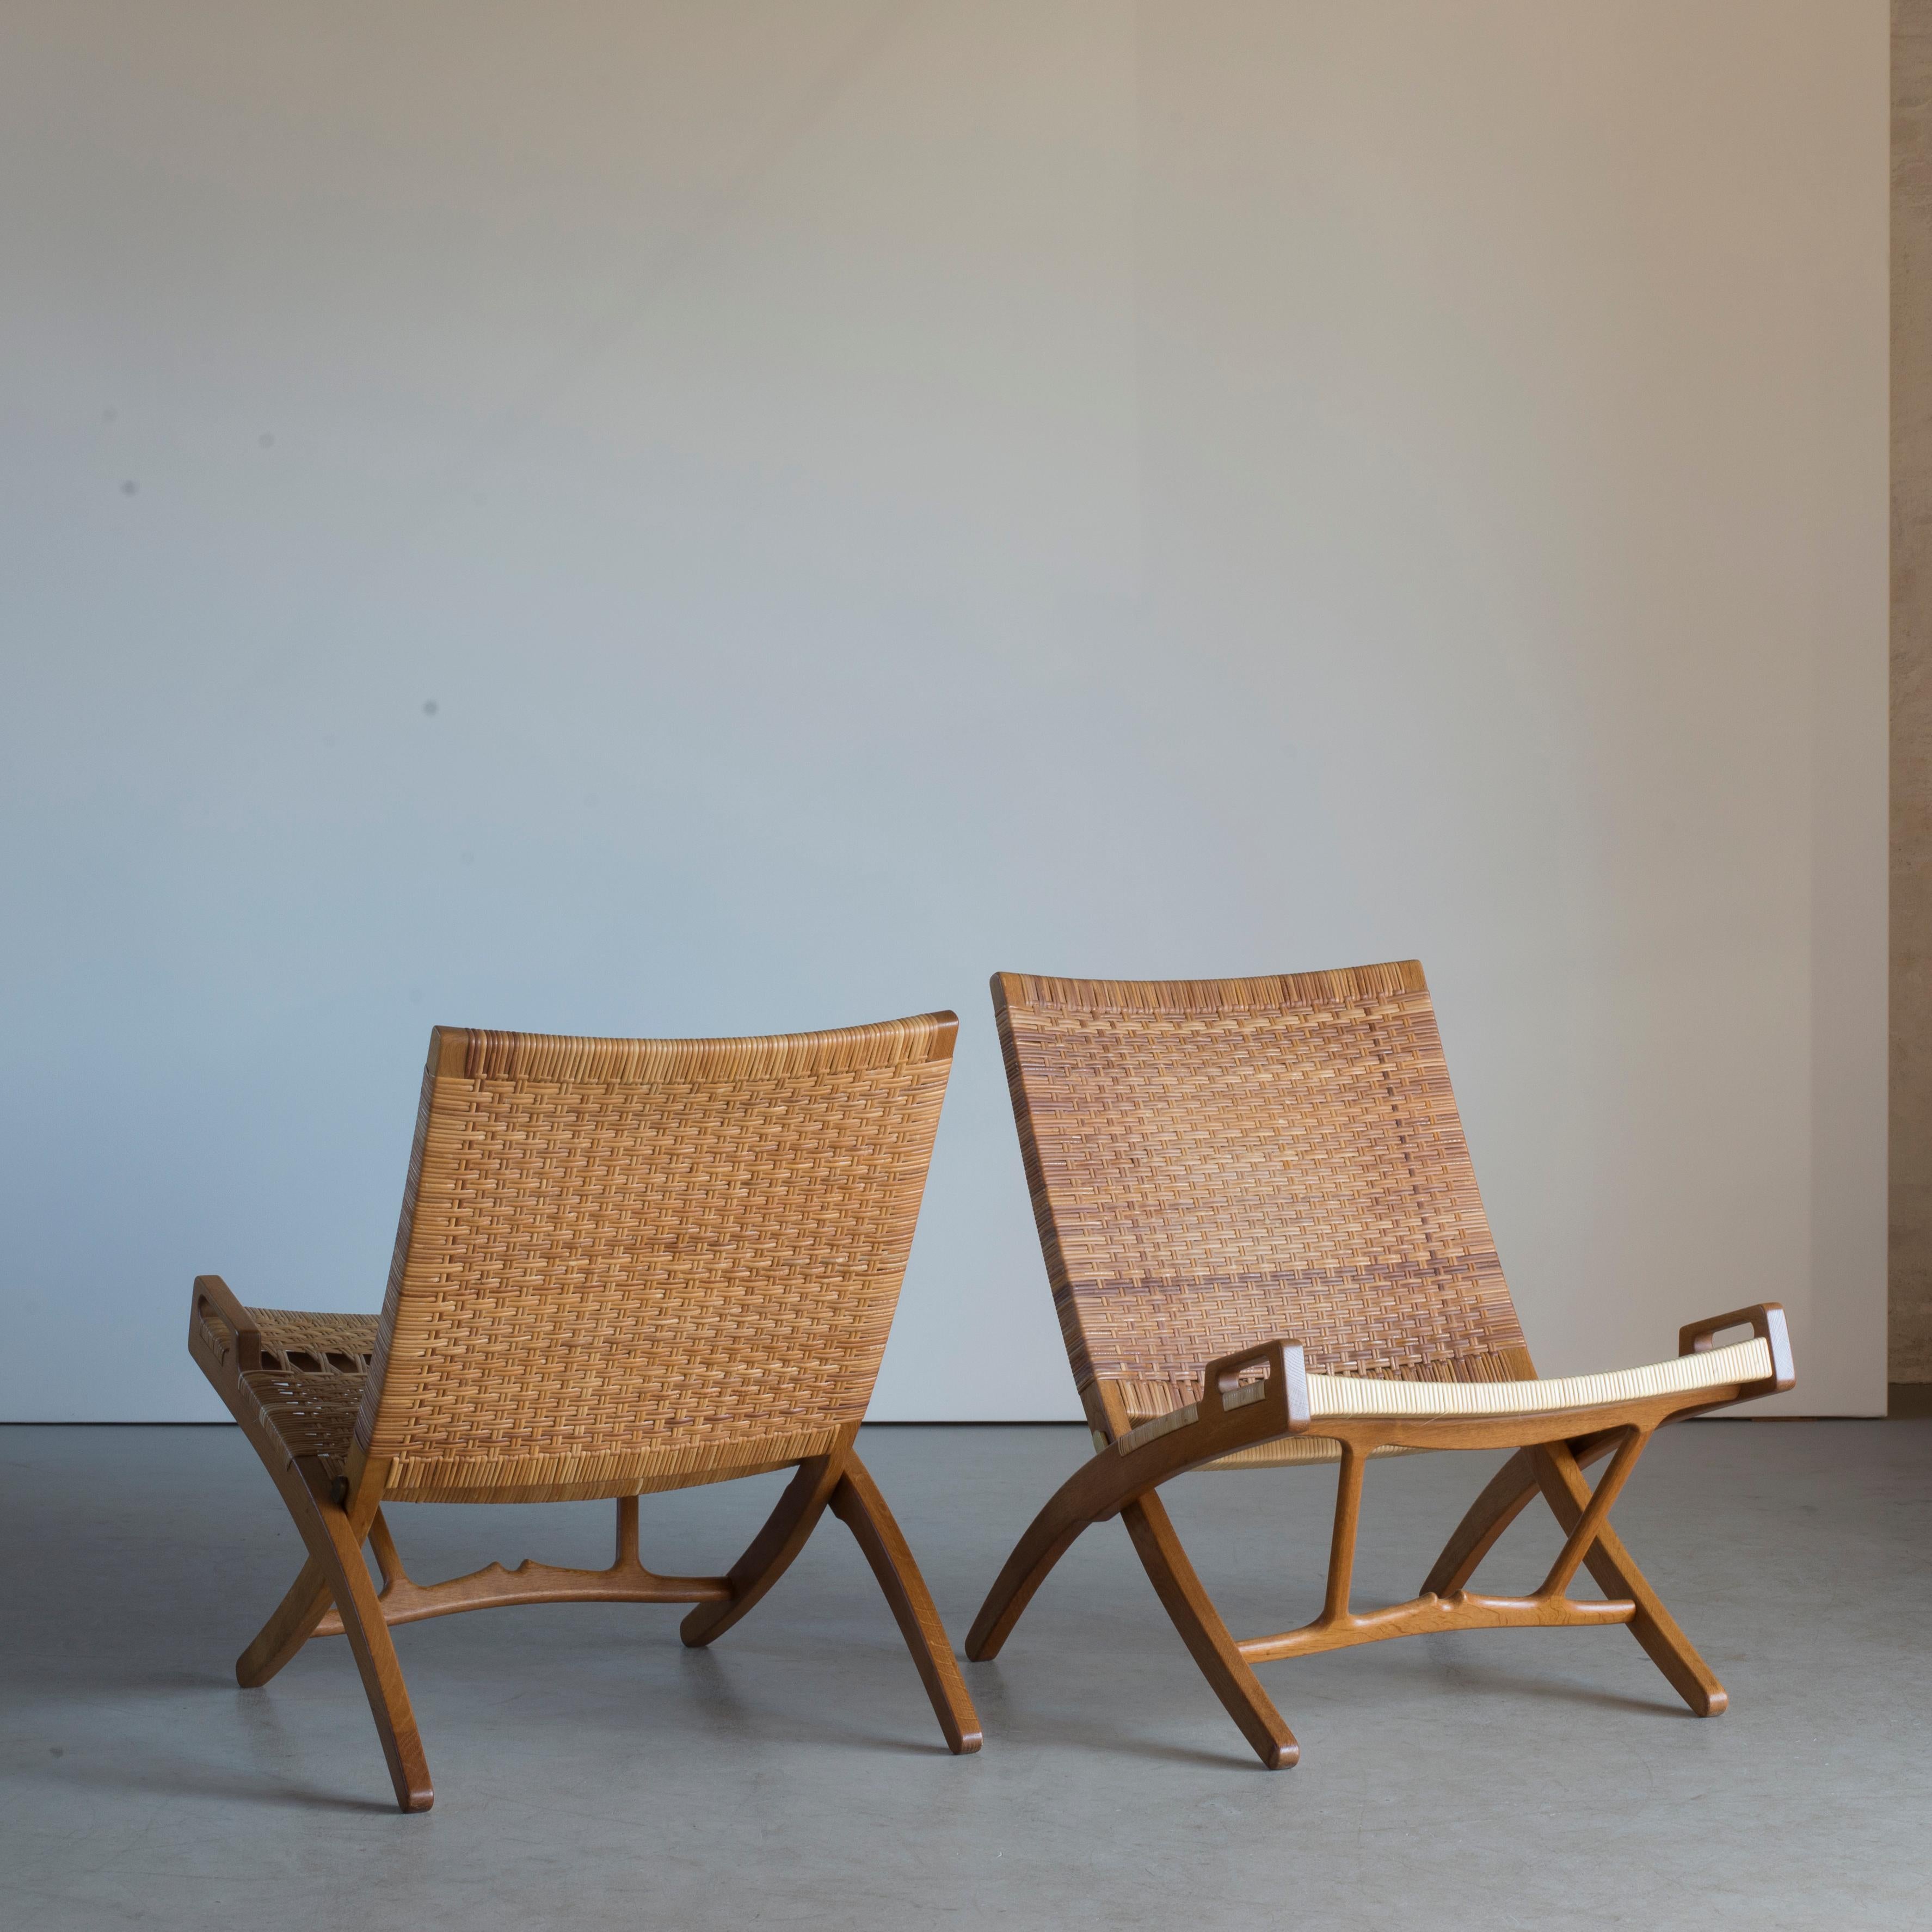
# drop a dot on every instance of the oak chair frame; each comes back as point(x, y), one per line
point(1258, 1393)
point(320, 1398)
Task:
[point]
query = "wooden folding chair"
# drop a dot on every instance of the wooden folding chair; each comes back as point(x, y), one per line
point(623, 1266)
point(1266, 1247)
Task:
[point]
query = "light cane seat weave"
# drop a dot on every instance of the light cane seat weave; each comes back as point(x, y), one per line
point(1338, 1396)
point(1334, 1397)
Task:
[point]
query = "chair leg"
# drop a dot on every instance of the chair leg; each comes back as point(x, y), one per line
point(1507, 1494)
point(285, 1632)
point(1232, 1678)
point(307, 1602)
point(336, 1550)
point(772, 1550)
point(857, 1503)
point(1047, 1538)
point(1610, 1563)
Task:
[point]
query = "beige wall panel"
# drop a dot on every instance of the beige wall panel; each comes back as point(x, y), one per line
point(1911, 1323)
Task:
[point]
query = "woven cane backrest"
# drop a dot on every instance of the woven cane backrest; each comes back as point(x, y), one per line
point(1218, 1162)
point(630, 1264)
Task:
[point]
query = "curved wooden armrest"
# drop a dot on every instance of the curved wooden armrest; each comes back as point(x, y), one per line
point(1765, 1319)
point(1194, 1430)
point(1231, 1415)
point(1222, 1389)
point(213, 1296)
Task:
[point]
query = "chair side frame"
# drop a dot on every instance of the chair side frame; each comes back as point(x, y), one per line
point(1552, 1448)
point(334, 1594)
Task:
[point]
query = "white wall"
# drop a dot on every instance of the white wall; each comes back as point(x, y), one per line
point(879, 493)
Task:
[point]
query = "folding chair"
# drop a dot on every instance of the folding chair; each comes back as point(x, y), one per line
point(1266, 1247)
point(623, 1266)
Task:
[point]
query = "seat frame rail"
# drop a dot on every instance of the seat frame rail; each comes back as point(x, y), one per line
point(1259, 1395)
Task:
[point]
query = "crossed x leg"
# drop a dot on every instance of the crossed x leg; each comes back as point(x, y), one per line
point(334, 1594)
point(1122, 1479)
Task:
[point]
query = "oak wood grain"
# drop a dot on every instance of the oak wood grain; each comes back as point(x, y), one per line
point(857, 1503)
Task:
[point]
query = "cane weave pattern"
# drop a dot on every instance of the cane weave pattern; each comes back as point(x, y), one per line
point(1365, 1398)
point(295, 1338)
point(1339, 1397)
point(625, 1264)
point(1218, 1162)
point(313, 1413)
point(310, 1379)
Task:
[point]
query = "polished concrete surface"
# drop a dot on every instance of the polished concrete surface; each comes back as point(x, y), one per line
point(591, 1771)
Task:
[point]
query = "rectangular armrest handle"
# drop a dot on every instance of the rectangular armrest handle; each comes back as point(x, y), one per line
point(213, 1296)
point(1288, 1372)
point(1766, 1321)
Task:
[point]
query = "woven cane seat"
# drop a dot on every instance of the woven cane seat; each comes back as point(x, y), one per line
point(1216, 1163)
point(1339, 1396)
point(313, 1368)
point(1336, 1398)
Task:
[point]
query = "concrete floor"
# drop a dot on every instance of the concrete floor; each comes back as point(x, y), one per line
point(591, 1771)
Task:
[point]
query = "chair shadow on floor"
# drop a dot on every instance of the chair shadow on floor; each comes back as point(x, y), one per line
point(714, 1694)
point(147, 1774)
